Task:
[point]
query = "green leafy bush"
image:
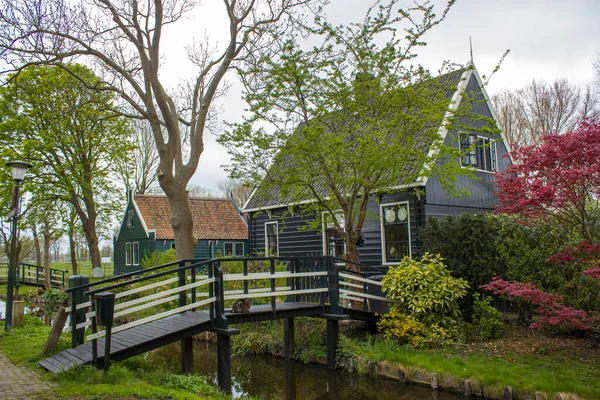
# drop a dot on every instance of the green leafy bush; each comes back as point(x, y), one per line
point(477, 247)
point(159, 258)
point(467, 242)
point(524, 250)
point(55, 295)
point(426, 308)
point(486, 319)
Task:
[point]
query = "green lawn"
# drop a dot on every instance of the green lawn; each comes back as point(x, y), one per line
point(134, 378)
point(84, 268)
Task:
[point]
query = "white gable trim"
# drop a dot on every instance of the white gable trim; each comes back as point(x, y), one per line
point(488, 102)
point(138, 212)
point(470, 71)
point(248, 200)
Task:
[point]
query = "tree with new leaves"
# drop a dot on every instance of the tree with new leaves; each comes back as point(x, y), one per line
point(73, 139)
point(353, 117)
point(558, 179)
point(123, 40)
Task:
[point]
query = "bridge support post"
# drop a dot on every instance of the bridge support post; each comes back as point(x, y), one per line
point(224, 357)
point(187, 346)
point(223, 332)
point(333, 337)
point(187, 355)
point(77, 316)
point(336, 312)
point(289, 337)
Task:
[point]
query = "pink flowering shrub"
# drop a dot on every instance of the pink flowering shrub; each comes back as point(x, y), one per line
point(549, 306)
point(584, 253)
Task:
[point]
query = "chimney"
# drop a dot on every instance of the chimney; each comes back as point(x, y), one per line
point(130, 193)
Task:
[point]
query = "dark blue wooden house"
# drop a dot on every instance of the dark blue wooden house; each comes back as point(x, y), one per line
point(391, 230)
point(146, 227)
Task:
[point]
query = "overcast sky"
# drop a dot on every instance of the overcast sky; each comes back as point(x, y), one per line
point(548, 39)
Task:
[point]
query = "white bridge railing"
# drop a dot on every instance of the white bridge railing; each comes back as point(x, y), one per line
point(186, 285)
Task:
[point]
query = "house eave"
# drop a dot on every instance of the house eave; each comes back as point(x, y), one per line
point(283, 205)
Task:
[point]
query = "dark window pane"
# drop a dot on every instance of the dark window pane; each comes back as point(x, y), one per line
point(136, 253)
point(127, 253)
point(239, 249)
point(130, 219)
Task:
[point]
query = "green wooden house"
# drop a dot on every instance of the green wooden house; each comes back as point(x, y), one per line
point(219, 229)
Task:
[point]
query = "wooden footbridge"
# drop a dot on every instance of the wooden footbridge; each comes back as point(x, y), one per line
point(134, 313)
point(34, 275)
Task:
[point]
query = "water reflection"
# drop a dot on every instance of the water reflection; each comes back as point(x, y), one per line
point(45, 311)
point(275, 379)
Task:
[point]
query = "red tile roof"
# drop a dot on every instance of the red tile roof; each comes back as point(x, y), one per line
point(213, 218)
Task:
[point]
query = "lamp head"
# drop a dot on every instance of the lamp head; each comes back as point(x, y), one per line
point(18, 169)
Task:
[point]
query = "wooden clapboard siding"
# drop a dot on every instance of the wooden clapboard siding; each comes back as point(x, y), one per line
point(296, 240)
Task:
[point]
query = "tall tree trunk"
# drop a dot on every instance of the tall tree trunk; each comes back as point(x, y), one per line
point(47, 236)
point(36, 244)
point(183, 225)
point(89, 229)
point(88, 223)
point(72, 248)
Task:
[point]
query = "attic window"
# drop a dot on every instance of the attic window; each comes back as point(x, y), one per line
point(130, 220)
point(478, 152)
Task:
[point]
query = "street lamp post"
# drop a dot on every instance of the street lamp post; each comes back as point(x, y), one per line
point(17, 170)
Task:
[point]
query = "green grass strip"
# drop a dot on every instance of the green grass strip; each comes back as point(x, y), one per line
point(528, 373)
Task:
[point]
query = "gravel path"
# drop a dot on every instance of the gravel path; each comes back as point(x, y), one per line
point(17, 383)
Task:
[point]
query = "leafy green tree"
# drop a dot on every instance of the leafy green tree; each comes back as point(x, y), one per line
point(49, 117)
point(125, 40)
point(332, 126)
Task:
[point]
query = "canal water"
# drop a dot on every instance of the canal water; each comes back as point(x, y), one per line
point(46, 312)
point(271, 378)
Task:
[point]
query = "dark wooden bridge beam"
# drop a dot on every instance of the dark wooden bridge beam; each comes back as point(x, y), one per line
point(187, 356)
point(289, 337)
point(333, 336)
point(224, 357)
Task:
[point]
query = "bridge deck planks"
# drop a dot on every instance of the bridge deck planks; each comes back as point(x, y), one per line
point(133, 341)
point(150, 336)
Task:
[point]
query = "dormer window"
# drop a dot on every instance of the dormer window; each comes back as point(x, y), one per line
point(478, 152)
point(130, 220)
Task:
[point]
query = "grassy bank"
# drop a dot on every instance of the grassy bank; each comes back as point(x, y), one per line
point(526, 374)
point(83, 268)
point(131, 378)
point(528, 361)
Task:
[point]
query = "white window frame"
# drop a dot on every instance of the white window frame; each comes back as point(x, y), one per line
point(324, 228)
point(128, 254)
point(267, 238)
point(130, 219)
point(493, 153)
point(234, 248)
point(135, 248)
point(382, 225)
